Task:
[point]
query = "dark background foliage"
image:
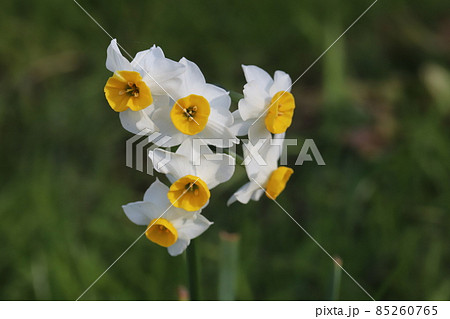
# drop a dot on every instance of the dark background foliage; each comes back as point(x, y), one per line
point(377, 105)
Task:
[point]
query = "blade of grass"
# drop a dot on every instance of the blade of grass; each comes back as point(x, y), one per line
point(229, 255)
point(337, 275)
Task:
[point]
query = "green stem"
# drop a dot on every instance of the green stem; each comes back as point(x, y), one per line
point(193, 273)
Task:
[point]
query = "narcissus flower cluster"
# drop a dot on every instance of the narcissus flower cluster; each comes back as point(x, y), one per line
point(155, 94)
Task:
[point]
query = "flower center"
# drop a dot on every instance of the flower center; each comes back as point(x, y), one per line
point(190, 114)
point(126, 90)
point(189, 193)
point(279, 116)
point(162, 232)
point(131, 89)
point(191, 187)
point(277, 181)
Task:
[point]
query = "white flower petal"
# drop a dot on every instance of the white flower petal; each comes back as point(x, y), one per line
point(254, 73)
point(220, 110)
point(274, 150)
point(143, 58)
point(282, 82)
point(162, 101)
point(161, 118)
point(193, 80)
point(211, 91)
point(244, 194)
point(257, 194)
point(142, 213)
point(217, 170)
point(179, 246)
point(169, 141)
point(171, 163)
point(261, 164)
point(138, 122)
point(231, 200)
point(253, 167)
point(161, 87)
point(212, 168)
point(256, 165)
point(177, 215)
point(193, 151)
point(160, 73)
point(115, 61)
point(240, 127)
point(218, 135)
point(193, 227)
point(255, 101)
point(258, 131)
point(157, 194)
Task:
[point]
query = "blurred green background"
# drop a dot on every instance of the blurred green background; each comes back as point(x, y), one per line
point(377, 106)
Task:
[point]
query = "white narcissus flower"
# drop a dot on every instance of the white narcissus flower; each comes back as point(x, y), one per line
point(264, 174)
point(267, 106)
point(175, 228)
point(195, 109)
point(135, 85)
point(193, 169)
